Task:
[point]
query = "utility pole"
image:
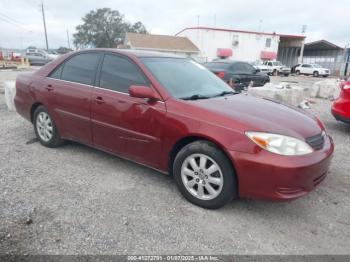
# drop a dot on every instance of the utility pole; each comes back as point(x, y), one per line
point(43, 12)
point(68, 39)
point(301, 57)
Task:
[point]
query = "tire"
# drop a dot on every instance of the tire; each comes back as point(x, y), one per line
point(315, 74)
point(286, 74)
point(202, 176)
point(297, 72)
point(325, 76)
point(275, 73)
point(51, 138)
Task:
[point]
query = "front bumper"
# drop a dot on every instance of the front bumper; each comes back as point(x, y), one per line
point(265, 175)
point(341, 109)
point(284, 71)
point(340, 117)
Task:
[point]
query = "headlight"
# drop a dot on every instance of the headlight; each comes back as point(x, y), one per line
point(279, 144)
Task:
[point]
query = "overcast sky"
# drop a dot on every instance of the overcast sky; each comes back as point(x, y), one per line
point(21, 21)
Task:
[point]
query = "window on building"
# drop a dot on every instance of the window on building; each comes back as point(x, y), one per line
point(235, 41)
point(268, 42)
point(119, 74)
point(81, 68)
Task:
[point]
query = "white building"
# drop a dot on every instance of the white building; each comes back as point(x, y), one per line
point(244, 45)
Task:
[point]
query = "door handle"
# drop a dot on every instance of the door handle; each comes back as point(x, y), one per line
point(49, 87)
point(99, 100)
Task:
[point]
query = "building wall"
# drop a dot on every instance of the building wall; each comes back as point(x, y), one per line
point(245, 46)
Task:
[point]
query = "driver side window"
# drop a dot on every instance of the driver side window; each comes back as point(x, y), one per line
point(118, 74)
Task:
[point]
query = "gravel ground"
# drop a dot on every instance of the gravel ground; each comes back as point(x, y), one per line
point(77, 200)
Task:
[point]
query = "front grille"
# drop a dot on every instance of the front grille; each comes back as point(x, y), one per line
point(316, 142)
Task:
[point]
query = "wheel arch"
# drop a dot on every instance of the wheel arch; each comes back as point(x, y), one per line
point(181, 143)
point(32, 110)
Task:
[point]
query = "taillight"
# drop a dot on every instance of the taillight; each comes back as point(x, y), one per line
point(221, 74)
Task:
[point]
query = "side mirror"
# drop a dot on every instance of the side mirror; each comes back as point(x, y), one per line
point(143, 92)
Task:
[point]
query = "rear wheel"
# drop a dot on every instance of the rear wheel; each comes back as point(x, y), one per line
point(204, 175)
point(45, 128)
point(275, 73)
point(297, 72)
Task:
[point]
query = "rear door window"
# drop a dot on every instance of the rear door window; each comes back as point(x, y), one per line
point(118, 74)
point(81, 68)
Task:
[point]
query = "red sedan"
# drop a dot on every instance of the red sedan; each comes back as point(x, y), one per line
point(341, 107)
point(174, 115)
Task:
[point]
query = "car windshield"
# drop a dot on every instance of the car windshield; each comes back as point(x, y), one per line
point(184, 78)
point(277, 63)
point(316, 66)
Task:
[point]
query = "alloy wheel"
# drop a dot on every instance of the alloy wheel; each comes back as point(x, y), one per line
point(202, 176)
point(44, 126)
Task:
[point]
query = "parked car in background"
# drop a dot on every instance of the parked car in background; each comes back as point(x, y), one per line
point(341, 106)
point(260, 65)
point(238, 74)
point(277, 68)
point(312, 69)
point(172, 114)
point(38, 58)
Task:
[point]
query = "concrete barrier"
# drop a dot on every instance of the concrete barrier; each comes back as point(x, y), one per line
point(283, 92)
point(327, 89)
point(10, 92)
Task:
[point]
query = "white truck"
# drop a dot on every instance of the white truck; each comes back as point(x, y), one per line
point(312, 69)
point(277, 68)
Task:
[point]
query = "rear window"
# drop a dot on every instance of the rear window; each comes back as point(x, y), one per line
point(217, 66)
point(81, 68)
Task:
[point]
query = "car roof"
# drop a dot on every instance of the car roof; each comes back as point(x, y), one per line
point(135, 53)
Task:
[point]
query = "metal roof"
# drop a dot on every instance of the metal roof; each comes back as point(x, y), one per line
point(322, 45)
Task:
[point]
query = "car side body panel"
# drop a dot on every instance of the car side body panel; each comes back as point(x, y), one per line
point(147, 131)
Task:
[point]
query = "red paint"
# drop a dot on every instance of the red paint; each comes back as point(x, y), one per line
point(268, 55)
point(146, 130)
point(341, 107)
point(143, 92)
point(224, 52)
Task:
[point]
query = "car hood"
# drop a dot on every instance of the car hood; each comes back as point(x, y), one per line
point(247, 113)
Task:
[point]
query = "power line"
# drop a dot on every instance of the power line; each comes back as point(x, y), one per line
point(11, 19)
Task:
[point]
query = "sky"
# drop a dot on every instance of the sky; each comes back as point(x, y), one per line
point(21, 20)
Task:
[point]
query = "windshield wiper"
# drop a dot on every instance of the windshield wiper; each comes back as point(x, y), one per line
point(224, 93)
point(195, 97)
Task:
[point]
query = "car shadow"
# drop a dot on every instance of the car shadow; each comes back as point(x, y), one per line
point(245, 206)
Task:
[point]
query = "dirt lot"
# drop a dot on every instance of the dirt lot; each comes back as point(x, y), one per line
point(77, 200)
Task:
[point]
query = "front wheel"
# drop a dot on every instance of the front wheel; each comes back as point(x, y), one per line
point(297, 72)
point(45, 128)
point(204, 175)
point(316, 74)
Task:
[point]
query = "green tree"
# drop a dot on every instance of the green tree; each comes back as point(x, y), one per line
point(104, 28)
